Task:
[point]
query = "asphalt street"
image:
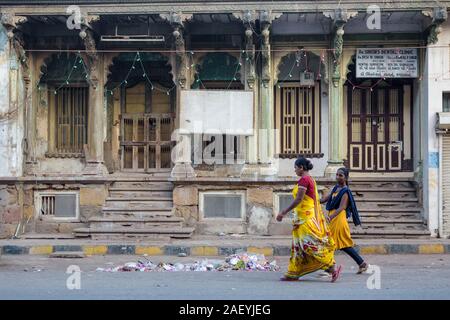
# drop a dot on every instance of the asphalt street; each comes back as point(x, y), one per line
point(400, 277)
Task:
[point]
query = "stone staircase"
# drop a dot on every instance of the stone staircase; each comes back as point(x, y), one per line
point(137, 209)
point(389, 208)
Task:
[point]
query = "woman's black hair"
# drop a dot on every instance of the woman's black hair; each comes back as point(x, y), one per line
point(305, 163)
point(346, 173)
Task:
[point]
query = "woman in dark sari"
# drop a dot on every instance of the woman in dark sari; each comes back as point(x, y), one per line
point(340, 206)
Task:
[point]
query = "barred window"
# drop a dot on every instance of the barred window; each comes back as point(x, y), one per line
point(228, 149)
point(297, 114)
point(70, 118)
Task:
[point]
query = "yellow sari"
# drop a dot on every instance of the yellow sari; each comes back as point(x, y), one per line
point(312, 245)
point(340, 230)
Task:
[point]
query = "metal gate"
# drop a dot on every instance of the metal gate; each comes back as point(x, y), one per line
point(446, 184)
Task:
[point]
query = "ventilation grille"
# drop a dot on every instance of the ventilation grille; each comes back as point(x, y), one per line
point(223, 206)
point(58, 205)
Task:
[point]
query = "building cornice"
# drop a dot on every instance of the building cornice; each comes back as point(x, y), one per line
point(98, 7)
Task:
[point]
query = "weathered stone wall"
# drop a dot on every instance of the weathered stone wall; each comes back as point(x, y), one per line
point(17, 205)
point(10, 210)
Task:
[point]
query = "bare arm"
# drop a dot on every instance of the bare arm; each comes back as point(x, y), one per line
point(342, 206)
point(325, 198)
point(300, 194)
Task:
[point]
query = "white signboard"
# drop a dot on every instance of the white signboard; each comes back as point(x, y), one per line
point(386, 63)
point(224, 111)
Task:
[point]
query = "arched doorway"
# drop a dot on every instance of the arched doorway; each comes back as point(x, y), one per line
point(379, 115)
point(144, 106)
point(297, 110)
point(64, 79)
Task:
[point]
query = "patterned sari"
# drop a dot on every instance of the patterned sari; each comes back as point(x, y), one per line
point(312, 246)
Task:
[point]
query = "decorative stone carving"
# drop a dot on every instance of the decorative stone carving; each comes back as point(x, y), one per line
point(250, 58)
point(339, 17)
point(181, 62)
point(265, 54)
point(177, 20)
point(438, 15)
point(266, 18)
point(92, 56)
point(11, 23)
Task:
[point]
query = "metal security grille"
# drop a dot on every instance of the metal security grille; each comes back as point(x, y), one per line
point(222, 206)
point(446, 184)
point(58, 205)
point(218, 149)
point(297, 114)
point(71, 115)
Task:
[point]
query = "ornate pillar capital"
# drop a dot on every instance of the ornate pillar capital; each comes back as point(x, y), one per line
point(438, 16)
point(176, 18)
point(339, 18)
point(12, 22)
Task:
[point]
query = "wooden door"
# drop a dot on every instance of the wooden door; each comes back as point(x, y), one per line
point(375, 129)
point(146, 136)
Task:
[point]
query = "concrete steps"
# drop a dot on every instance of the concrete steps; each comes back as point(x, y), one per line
point(389, 208)
point(137, 209)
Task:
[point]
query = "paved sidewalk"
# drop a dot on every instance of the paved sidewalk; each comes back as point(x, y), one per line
point(211, 246)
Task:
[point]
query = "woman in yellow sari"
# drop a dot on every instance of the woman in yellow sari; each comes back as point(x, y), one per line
point(340, 206)
point(312, 246)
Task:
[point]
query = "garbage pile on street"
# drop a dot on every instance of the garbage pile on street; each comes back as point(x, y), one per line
point(241, 261)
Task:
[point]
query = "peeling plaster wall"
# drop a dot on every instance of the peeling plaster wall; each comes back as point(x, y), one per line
point(11, 128)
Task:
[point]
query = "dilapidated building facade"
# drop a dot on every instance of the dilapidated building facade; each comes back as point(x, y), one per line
point(168, 118)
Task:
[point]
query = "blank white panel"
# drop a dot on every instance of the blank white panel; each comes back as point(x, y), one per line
point(221, 111)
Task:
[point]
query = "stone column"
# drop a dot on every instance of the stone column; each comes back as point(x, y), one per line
point(266, 136)
point(181, 155)
point(15, 92)
point(96, 119)
point(248, 19)
point(336, 92)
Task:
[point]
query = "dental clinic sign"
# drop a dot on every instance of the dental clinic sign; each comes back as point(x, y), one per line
point(386, 63)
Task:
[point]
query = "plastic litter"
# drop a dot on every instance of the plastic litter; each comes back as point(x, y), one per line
point(238, 261)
